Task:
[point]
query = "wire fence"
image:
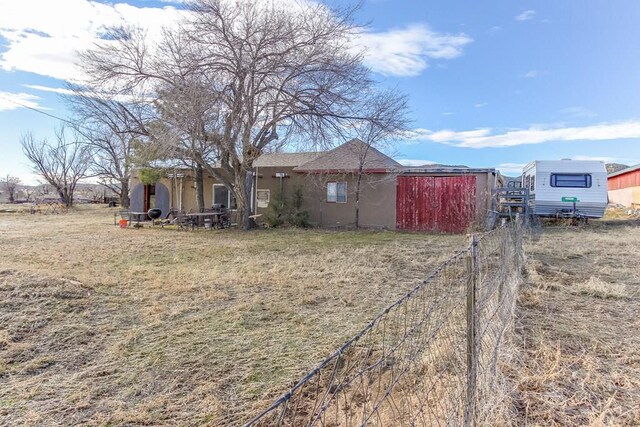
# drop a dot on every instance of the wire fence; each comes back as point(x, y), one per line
point(430, 358)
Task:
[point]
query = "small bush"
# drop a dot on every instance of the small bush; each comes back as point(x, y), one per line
point(278, 208)
point(283, 211)
point(298, 217)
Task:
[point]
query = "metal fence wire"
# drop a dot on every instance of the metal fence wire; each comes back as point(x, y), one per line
point(430, 358)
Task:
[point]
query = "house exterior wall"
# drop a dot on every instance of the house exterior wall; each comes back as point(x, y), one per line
point(624, 189)
point(625, 180)
point(377, 197)
point(629, 197)
point(185, 199)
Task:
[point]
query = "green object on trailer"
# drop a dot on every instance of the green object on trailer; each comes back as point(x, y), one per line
point(570, 199)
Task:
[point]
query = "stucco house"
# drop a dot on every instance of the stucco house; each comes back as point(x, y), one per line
point(391, 196)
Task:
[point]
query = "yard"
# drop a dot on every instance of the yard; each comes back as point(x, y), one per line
point(104, 326)
point(578, 327)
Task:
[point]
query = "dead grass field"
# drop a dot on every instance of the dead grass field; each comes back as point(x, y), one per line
point(578, 327)
point(103, 326)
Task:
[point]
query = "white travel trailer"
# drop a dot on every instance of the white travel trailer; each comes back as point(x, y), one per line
point(569, 188)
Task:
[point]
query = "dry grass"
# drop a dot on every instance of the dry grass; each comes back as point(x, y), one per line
point(578, 327)
point(103, 326)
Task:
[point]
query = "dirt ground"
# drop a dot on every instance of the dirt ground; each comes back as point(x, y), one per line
point(578, 327)
point(105, 326)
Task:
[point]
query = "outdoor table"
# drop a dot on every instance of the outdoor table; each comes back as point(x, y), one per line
point(138, 216)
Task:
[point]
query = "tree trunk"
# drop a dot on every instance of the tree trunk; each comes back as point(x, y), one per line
point(358, 199)
point(248, 184)
point(124, 194)
point(243, 184)
point(66, 196)
point(200, 187)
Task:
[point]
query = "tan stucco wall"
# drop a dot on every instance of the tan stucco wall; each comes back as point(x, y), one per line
point(377, 197)
point(189, 201)
point(629, 197)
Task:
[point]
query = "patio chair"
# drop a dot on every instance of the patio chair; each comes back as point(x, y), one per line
point(184, 222)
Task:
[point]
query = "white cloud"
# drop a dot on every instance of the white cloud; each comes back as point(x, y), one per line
point(415, 162)
point(59, 90)
point(511, 168)
point(481, 104)
point(482, 138)
point(532, 74)
point(578, 112)
point(526, 15)
point(447, 113)
point(13, 101)
point(43, 37)
point(407, 51)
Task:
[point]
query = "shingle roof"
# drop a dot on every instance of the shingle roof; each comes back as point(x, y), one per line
point(347, 158)
point(284, 159)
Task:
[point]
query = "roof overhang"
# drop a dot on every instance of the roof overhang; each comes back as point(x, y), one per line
point(450, 171)
point(624, 171)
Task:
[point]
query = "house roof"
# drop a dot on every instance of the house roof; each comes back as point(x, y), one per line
point(446, 169)
point(348, 157)
point(285, 159)
point(623, 171)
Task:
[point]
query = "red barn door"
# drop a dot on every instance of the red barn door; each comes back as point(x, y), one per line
point(444, 203)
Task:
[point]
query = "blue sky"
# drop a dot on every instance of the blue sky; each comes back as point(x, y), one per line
point(491, 83)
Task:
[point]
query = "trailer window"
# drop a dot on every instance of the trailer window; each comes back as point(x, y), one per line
point(573, 180)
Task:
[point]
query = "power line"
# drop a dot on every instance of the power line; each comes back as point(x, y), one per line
point(38, 111)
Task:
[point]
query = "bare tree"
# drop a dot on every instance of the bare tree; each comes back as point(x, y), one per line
point(61, 164)
point(110, 125)
point(10, 185)
point(29, 192)
point(385, 118)
point(278, 74)
point(187, 128)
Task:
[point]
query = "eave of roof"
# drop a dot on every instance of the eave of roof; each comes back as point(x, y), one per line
point(623, 171)
point(458, 171)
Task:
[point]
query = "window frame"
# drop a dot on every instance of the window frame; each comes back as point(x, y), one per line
point(230, 198)
point(588, 180)
point(336, 185)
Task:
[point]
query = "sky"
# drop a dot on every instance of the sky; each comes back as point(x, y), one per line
point(490, 83)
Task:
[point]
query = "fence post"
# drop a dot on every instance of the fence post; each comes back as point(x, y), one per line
point(517, 229)
point(472, 321)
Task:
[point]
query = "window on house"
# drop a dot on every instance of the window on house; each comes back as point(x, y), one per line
point(533, 183)
point(222, 196)
point(571, 180)
point(337, 192)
